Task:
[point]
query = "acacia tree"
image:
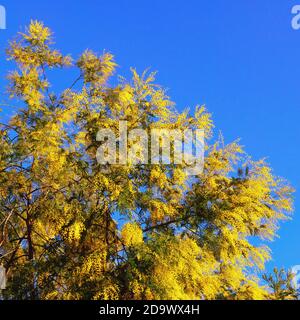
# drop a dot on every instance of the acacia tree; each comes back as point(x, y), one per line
point(281, 285)
point(72, 228)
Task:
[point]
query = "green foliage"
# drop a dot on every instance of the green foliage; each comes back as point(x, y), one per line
point(281, 285)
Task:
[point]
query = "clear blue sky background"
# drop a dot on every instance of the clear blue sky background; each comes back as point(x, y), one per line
point(240, 58)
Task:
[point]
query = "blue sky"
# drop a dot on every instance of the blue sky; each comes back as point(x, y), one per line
point(240, 58)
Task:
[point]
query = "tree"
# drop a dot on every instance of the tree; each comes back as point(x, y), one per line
point(281, 285)
point(72, 228)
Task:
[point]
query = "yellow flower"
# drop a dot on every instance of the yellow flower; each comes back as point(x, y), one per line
point(132, 234)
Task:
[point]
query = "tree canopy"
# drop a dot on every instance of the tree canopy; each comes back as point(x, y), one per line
point(71, 228)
